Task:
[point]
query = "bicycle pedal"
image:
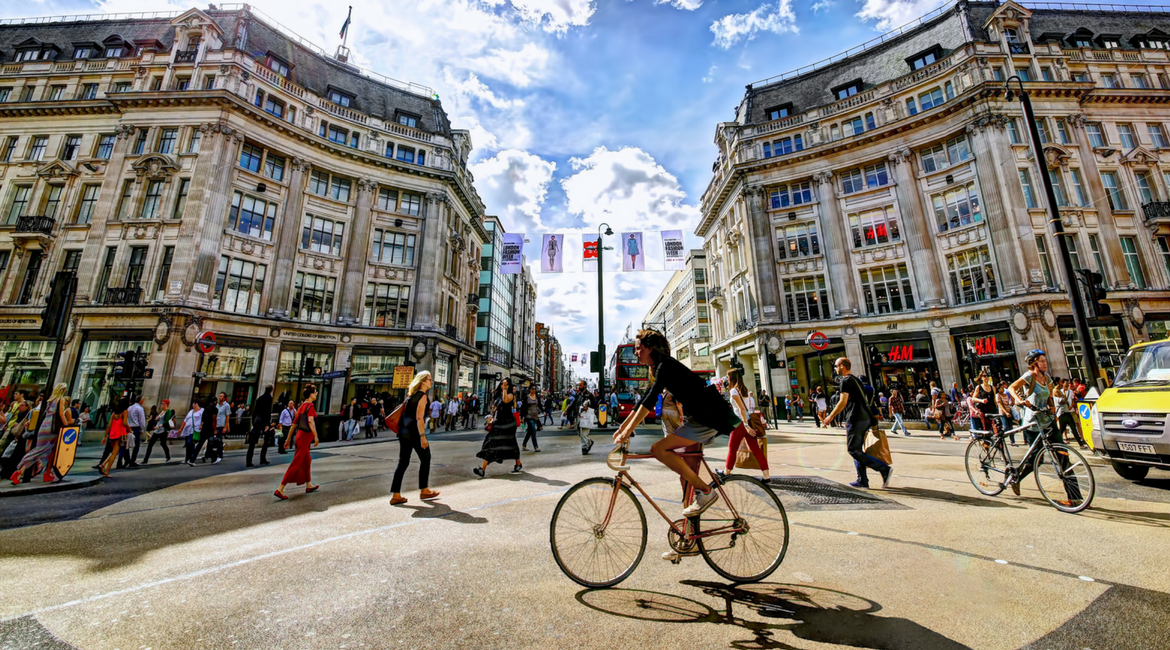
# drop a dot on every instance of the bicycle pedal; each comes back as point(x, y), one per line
point(677, 560)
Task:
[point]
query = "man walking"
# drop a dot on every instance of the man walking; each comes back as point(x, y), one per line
point(435, 414)
point(452, 412)
point(261, 425)
point(583, 401)
point(161, 432)
point(897, 410)
point(137, 419)
point(286, 422)
point(223, 414)
point(858, 420)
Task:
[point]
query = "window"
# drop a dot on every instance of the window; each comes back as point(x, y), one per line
point(874, 227)
point(82, 52)
point(1074, 252)
point(89, 91)
point(39, 144)
point(251, 157)
point(1045, 264)
point(997, 73)
point(122, 87)
point(1163, 251)
point(9, 148)
point(340, 98)
point(72, 261)
point(870, 124)
point(89, 197)
point(196, 139)
point(140, 143)
point(164, 273)
point(339, 189)
point(107, 270)
point(209, 82)
point(319, 182)
point(5, 93)
point(924, 60)
point(957, 207)
point(393, 247)
point(239, 285)
point(972, 278)
point(274, 106)
point(115, 52)
point(786, 146)
point(1011, 35)
point(312, 298)
point(252, 216)
point(1082, 76)
point(1046, 73)
point(1026, 185)
point(1042, 129)
point(182, 83)
point(136, 267)
point(1139, 80)
point(71, 148)
point(1079, 188)
point(798, 240)
point(181, 198)
point(337, 134)
point(124, 199)
point(1013, 131)
point(852, 181)
point(1157, 135)
point(848, 90)
point(778, 112)
point(1133, 263)
point(933, 158)
point(19, 207)
point(27, 95)
point(167, 139)
point(387, 199)
point(150, 204)
point(791, 195)
point(387, 305)
point(1125, 132)
point(806, 298)
point(56, 93)
point(406, 154)
point(1054, 177)
point(353, 140)
point(887, 289)
point(1024, 74)
point(949, 89)
point(1081, 41)
point(1145, 189)
point(875, 175)
point(274, 167)
point(52, 200)
point(1113, 191)
point(1062, 131)
point(930, 99)
point(408, 120)
point(390, 150)
point(1095, 247)
point(411, 204)
point(1096, 136)
point(911, 107)
point(29, 283)
point(276, 65)
point(1110, 42)
point(322, 235)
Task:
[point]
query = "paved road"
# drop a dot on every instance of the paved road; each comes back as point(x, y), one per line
point(174, 557)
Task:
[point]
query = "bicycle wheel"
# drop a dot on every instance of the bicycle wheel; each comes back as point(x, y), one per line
point(986, 466)
point(751, 555)
point(588, 555)
point(1065, 478)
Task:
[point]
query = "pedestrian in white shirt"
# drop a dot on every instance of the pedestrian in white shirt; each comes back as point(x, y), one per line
point(286, 422)
point(452, 412)
point(192, 425)
point(436, 413)
point(137, 421)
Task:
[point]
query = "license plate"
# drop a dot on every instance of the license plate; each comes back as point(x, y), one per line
point(1136, 448)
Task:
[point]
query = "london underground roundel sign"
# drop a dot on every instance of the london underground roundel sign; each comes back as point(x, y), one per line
point(206, 342)
point(818, 341)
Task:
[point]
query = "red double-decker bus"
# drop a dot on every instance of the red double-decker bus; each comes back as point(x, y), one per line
point(629, 375)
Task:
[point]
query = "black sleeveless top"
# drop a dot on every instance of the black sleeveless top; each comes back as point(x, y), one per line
point(409, 423)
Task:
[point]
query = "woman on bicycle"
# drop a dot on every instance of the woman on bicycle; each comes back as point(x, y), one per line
point(1033, 393)
point(706, 415)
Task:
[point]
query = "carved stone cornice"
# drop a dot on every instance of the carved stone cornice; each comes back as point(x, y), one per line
point(1075, 120)
point(56, 169)
point(823, 176)
point(125, 130)
point(155, 166)
point(366, 184)
point(301, 164)
point(1056, 156)
point(438, 197)
point(899, 156)
point(988, 120)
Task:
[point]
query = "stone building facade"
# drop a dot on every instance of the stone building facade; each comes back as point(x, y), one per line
point(889, 199)
point(209, 173)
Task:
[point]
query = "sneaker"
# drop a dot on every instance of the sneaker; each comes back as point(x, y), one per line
point(702, 502)
point(886, 476)
point(672, 556)
point(478, 471)
point(524, 449)
point(589, 446)
point(859, 485)
point(216, 461)
point(516, 469)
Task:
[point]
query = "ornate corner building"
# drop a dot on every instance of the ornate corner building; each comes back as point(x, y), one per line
point(210, 172)
point(888, 198)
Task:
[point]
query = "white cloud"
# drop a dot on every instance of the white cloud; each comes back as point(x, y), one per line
point(518, 67)
point(895, 13)
point(628, 189)
point(513, 185)
point(733, 28)
point(555, 15)
point(685, 5)
point(821, 4)
point(710, 76)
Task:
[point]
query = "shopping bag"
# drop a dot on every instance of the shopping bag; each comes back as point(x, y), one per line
point(745, 459)
point(393, 420)
point(878, 446)
point(756, 427)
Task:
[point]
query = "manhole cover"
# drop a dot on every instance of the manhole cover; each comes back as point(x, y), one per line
point(822, 492)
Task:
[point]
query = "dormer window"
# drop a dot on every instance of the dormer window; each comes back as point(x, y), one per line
point(779, 112)
point(1082, 42)
point(276, 65)
point(1110, 42)
point(340, 98)
point(33, 51)
point(1011, 35)
point(1081, 38)
point(83, 51)
point(925, 57)
point(847, 90)
point(406, 119)
point(115, 51)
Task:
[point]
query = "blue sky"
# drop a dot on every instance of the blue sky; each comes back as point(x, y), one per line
point(581, 111)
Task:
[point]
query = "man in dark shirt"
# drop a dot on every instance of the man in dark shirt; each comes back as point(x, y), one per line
point(261, 422)
point(857, 422)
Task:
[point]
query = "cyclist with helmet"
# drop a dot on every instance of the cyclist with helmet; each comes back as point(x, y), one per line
point(1033, 393)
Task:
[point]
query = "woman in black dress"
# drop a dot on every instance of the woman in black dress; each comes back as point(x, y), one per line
point(500, 443)
point(412, 437)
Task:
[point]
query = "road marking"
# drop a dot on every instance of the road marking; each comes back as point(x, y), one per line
point(1001, 561)
point(1086, 579)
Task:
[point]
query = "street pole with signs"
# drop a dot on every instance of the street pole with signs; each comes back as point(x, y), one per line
point(601, 310)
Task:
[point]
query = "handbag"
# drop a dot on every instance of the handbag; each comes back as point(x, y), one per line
point(878, 446)
point(394, 420)
point(756, 428)
point(745, 459)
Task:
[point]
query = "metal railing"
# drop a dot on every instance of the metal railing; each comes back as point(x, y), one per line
point(122, 296)
point(72, 18)
point(185, 56)
point(1084, 6)
point(473, 299)
point(1156, 210)
point(36, 224)
point(744, 325)
point(1018, 48)
point(714, 293)
point(451, 331)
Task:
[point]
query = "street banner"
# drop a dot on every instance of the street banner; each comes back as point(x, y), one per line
point(674, 252)
point(512, 254)
point(574, 357)
point(66, 449)
point(633, 254)
point(551, 254)
point(589, 256)
point(403, 376)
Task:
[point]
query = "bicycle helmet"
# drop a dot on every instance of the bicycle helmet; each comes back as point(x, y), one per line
point(1032, 355)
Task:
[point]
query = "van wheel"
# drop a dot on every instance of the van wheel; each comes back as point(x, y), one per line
point(1130, 472)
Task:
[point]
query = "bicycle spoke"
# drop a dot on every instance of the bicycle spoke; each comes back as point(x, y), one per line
point(756, 551)
point(588, 554)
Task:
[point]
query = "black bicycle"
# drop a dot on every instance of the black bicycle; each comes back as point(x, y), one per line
point(1060, 470)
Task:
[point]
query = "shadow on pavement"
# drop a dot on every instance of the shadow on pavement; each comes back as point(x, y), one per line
point(442, 511)
point(766, 609)
point(949, 497)
point(525, 476)
point(1122, 617)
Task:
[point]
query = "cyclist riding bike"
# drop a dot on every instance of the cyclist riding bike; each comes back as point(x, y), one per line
point(1033, 393)
point(707, 414)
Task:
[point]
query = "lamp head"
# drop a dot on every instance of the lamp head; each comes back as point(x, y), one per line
point(608, 231)
point(1011, 94)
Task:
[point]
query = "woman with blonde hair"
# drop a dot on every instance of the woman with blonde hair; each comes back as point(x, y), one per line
point(412, 438)
point(56, 415)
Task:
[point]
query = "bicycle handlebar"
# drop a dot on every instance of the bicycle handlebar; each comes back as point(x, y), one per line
point(615, 457)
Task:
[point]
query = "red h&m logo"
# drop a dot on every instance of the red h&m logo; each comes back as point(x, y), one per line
point(985, 346)
point(591, 250)
point(900, 353)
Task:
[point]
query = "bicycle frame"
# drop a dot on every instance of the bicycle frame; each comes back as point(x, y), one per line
point(1033, 449)
point(623, 475)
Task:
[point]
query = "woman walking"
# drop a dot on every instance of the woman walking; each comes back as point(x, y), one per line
point(160, 430)
point(531, 412)
point(742, 434)
point(116, 432)
point(305, 431)
point(412, 438)
point(983, 398)
point(191, 432)
point(1003, 403)
point(822, 404)
point(500, 443)
point(56, 415)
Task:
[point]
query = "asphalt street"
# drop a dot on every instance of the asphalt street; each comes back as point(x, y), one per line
point(170, 556)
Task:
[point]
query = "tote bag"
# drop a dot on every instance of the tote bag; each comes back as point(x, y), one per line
point(394, 419)
point(745, 459)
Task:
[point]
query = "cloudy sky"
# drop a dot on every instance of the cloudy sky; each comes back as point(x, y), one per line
point(581, 111)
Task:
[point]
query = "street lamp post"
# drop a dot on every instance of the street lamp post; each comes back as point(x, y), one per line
point(601, 310)
point(1080, 319)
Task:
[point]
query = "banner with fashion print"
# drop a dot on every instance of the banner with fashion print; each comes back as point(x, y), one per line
point(674, 251)
point(574, 357)
point(589, 253)
point(633, 253)
point(552, 248)
point(512, 254)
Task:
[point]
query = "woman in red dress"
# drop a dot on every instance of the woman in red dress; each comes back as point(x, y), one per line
point(305, 430)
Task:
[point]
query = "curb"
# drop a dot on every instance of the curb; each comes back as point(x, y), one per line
point(55, 486)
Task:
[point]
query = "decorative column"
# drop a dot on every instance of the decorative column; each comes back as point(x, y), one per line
point(837, 246)
point(94, 253)
point(1092, 177)
point(763, 257)
point(1004, 209)
point(206, 231)
point(428, 295)
point(917, 233)
point(357, 254)
point(288, 233)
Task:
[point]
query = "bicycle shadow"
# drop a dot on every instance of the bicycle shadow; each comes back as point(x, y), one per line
point(764, 609)
point(1152, 519)
point(949, 497)
point(523, 475)
point(442, 511)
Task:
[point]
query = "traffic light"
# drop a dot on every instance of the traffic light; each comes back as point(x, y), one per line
point(140, 368)
point(595, 362)
point(125, 365)
point(1095, 293)
point(875, 357)
point(60, 299)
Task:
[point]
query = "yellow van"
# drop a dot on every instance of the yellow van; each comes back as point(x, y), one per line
point(1130, 418)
